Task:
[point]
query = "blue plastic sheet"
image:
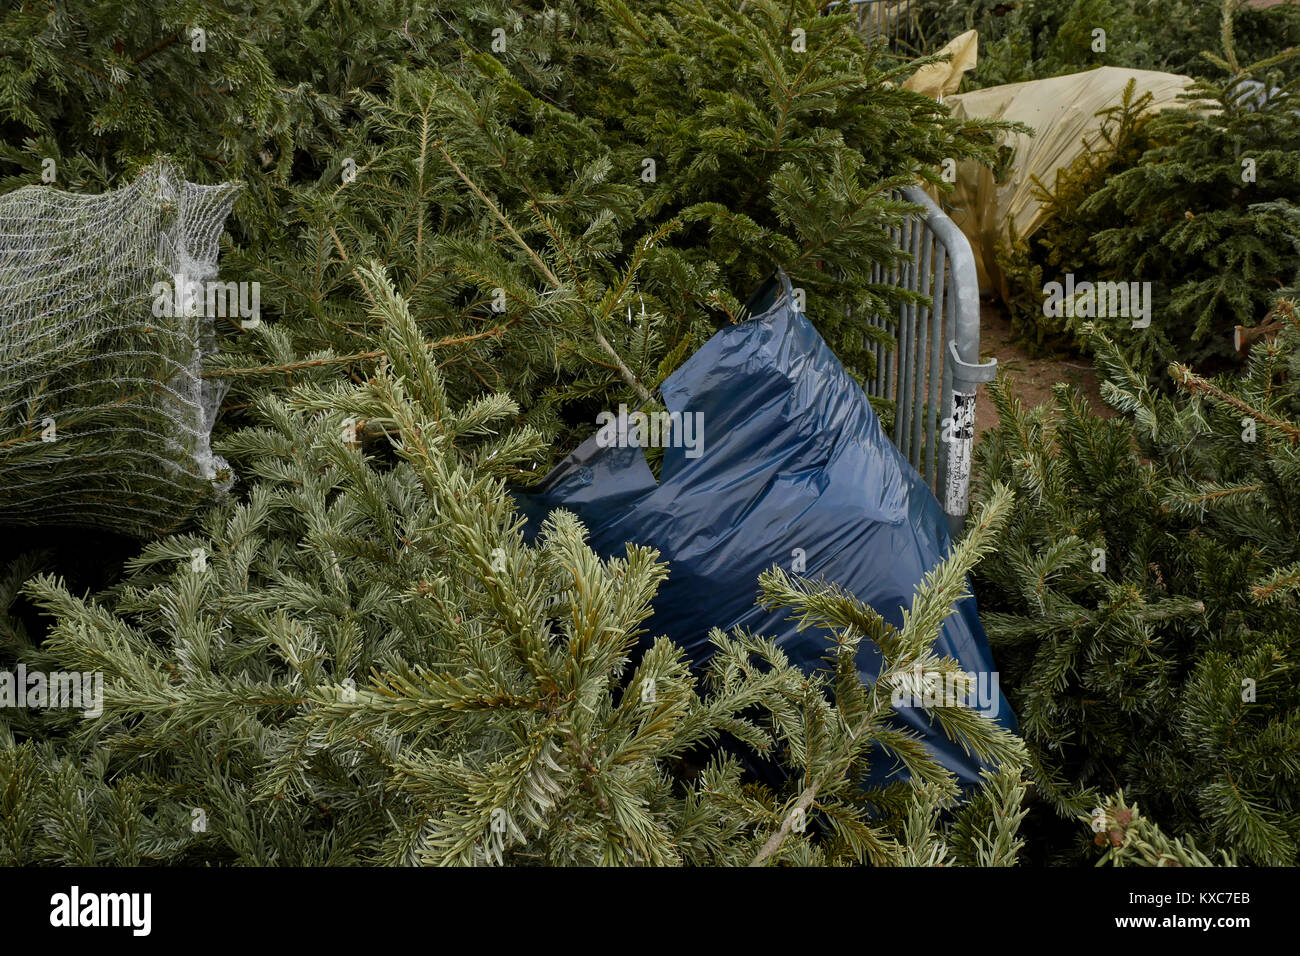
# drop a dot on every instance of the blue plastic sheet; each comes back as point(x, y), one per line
point(791, 467)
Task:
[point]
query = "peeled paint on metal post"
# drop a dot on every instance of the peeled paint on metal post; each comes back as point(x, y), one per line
point(794, 469)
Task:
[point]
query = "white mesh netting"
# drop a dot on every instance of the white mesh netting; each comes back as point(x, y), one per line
point(105, 417)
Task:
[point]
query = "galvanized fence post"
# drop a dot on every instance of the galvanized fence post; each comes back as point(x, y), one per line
point(935, 369)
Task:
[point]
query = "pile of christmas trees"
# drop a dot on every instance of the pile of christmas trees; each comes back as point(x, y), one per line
point(476, 230)
point(1199, 201)
point(1144, 604)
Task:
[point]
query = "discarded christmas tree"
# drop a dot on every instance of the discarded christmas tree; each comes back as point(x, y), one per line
point(488, 222)
point(363, 662)
point(105, 417)
point(1145, 601)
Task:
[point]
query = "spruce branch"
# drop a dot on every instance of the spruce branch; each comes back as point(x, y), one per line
point(1197, 385)
point(933, 602)
point(1131, 839)
point(543, 268)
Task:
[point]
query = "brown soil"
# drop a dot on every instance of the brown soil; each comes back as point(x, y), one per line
point(1031, 377)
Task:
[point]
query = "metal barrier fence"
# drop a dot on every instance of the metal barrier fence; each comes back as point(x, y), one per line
point(935, 365)
point(894, 19)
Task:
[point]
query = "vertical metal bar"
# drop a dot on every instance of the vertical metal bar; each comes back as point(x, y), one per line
point(962, 348)
point(921, 381)
point(892, 328)
point(937, 364)
point(913, 311)
point(950, 473)
point(902, 431)
point(900, 336)
point(877, 380)
point(914, 349)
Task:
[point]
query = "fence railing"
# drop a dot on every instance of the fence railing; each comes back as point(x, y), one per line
point(893, 19)
point(932, 373)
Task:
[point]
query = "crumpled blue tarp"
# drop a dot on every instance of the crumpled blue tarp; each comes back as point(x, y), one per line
point(793, 457)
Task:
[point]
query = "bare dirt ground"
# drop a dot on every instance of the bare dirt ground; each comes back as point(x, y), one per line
point(1033, 378)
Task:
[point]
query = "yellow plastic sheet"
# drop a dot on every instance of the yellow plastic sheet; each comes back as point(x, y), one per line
point(938, 80)
point(1063, 113)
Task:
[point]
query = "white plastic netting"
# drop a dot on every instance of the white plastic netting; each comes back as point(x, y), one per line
point(105, 417)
